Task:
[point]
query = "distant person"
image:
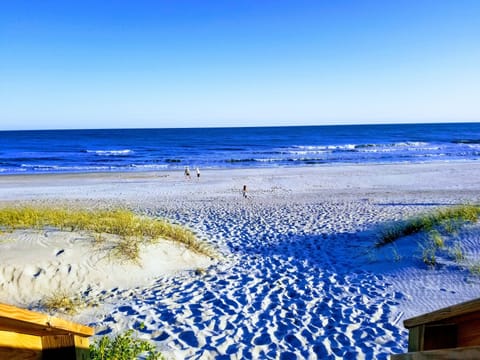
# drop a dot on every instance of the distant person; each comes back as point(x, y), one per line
point(198, 173)
point(244, 191)
point(187, 172)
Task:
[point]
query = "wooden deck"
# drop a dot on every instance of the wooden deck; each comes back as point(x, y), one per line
point(29, 335)
point(449, 333)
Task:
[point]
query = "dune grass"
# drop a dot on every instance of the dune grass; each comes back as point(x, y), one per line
point(133, 231)
point(61, 301)
point(437, 227)
point(449, 219)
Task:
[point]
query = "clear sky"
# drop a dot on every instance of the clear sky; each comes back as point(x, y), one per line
point(194, 63)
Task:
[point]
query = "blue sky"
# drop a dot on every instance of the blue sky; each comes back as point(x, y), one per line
point(193, 63)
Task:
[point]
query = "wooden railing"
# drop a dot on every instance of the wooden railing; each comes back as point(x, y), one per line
point(29, 335)
point(449, 333)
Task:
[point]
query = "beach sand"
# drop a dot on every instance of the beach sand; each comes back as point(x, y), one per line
point(298, 276)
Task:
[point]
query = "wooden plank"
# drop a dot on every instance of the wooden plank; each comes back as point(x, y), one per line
point(20, 354)
point(15, 346)
point(27, 328)
point(466, 353)
point(30, 322)
point(74, 328)
point(468, 333)
point(445, 313)
point(20, 341)
point(415, 338)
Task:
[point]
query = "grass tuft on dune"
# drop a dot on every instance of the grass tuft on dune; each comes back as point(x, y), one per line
point(449, 219)
point(132, 230)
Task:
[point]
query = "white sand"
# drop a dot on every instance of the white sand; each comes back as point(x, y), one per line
point(37, 264)
point(299, 277)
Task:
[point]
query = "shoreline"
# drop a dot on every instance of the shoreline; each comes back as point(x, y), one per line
point(455, 180)
point(239, 168)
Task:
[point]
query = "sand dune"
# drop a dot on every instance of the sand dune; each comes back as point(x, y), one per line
point(38, 263)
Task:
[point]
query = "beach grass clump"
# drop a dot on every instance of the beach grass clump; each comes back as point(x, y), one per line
point(61, 301)
point(449, 219)
point(132, 230)
point(475, 269)
point(124, 346)
point(127, 250)
point(456, 252)
point(436, 238)
point(429, 253)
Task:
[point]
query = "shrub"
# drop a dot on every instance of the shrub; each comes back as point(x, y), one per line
point(123, 347)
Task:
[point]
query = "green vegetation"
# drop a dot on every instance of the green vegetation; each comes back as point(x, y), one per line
point(62, 302)
point(429, 254)
point(456, 252)
point(65, 302)
point(434, 242)
point(450, 219)
point(396, 255)
point(123, 347)
point(438, 226)
point(475, 269)
point(437, 239)
point(132, 230)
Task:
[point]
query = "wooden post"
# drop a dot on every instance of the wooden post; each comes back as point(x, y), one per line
point(449, 333)
point(415, 338)
point(28, 335)
point(65, 347)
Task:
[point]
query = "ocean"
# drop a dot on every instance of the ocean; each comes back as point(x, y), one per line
point(114, 150)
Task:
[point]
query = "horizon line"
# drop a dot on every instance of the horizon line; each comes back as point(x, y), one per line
point(250, 127)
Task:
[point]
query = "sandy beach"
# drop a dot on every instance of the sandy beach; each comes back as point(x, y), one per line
point(297, 277)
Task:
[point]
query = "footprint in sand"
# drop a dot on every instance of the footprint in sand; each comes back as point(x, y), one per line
point(37, 273)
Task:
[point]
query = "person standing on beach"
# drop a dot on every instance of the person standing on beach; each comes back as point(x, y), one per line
point(187, 172)
point(244, 191)
point(198, 173)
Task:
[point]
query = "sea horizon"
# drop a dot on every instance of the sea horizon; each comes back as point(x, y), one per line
point(353, 124)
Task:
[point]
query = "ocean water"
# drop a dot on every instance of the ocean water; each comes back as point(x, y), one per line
point(63, 151)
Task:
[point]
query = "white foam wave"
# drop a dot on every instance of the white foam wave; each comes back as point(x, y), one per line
point(39, 166)
point(122, 152)
point(56, 168)
point(149, 166)
point(320, 149)
point(395, 147)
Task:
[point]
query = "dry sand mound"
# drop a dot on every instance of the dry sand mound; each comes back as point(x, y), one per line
point(35, 264)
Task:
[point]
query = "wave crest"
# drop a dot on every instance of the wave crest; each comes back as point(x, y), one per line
point(123, 152)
